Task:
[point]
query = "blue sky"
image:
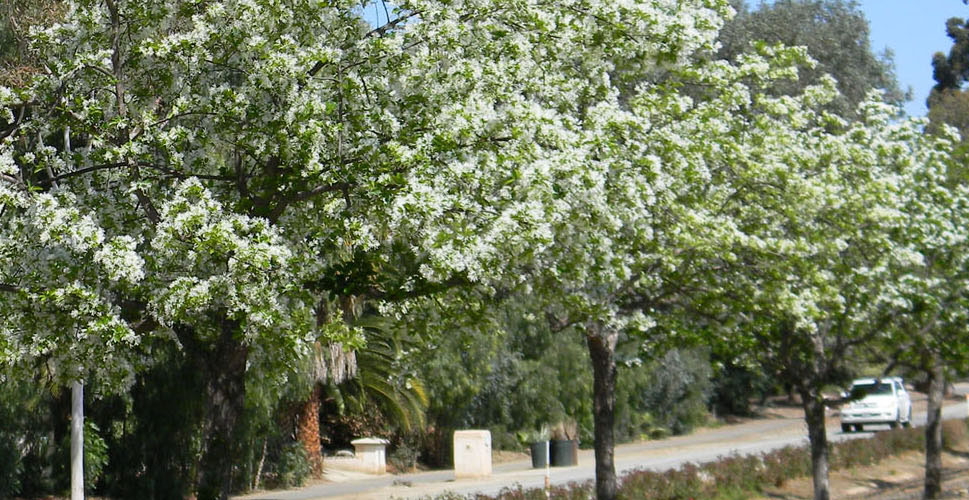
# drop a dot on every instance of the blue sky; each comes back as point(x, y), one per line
point(913, 30)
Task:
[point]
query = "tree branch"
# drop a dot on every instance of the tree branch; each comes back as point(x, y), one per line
point(305, 195)
point(16, 122)
point(75, 173)
point(382, 30)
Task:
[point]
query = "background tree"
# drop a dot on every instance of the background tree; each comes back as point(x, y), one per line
point(837, 36)
point(951, 70)
point(936, 316)
point(948, 103)
point(16, 64)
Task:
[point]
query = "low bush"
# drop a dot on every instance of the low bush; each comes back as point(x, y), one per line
point(856, 453)
point(737, 473)
point(404, 457)
point(786, 463)
point(95, 458)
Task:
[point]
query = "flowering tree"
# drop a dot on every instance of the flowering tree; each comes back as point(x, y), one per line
point(822, 217)
point(929, 295)
point(218, 173)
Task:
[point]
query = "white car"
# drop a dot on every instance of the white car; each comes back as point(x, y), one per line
point(881, 401)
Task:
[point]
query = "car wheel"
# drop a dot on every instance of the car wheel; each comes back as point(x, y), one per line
point(908, 422)
point(845, 428)
point(893, 424)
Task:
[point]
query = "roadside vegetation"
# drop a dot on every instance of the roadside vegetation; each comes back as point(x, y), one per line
point(741, 477)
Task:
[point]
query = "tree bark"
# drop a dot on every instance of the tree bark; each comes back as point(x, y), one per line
point(933, 431)
point(818, 437)
point(224, 368)
point(309, 431)
point(602, 351)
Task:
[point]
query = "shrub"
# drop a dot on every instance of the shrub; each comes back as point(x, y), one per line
point(95, 458)
point(403, 458)
point(733, 387)
point(736, 473)
point(901, 440)
point(679, 390)
point(856, 452)
point(25, 442)
point(786, 463)
point(11, 466)
point(684, 483)
point(95, 454)
point(291, 467)
point(571, 491)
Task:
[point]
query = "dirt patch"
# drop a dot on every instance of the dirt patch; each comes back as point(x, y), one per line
point(896, 478)
point(504, 456)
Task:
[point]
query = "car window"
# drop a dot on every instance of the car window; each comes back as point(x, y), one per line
point(862, 390)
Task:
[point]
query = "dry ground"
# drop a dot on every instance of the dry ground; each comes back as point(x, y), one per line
point(896, 478)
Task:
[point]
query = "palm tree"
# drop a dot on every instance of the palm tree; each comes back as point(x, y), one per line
point(370, 377)
point(382, 380)
point(330, 364)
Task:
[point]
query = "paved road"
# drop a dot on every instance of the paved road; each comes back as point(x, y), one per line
point(751, 437)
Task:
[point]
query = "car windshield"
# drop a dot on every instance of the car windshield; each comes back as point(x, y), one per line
point(862, 390)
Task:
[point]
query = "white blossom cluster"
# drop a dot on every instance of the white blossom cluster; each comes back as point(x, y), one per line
point(249, 162)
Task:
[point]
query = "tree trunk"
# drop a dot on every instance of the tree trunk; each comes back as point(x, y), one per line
point(818, 437)
point(602, 350)
point(309, 431)
point(933, 431)
point(224, 366)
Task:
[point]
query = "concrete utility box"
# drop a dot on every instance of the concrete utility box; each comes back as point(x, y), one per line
point(472, 454)
point(371, 454)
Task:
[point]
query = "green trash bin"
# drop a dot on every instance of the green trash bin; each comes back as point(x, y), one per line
point(538, 451)
point(564, 452)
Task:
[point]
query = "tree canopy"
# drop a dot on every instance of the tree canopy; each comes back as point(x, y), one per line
point(232, 179)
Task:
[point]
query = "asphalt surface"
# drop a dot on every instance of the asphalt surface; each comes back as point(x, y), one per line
point(751, 437)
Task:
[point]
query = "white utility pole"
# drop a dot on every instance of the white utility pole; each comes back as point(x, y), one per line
point(77, 403)
point(77, 441)
point(548, 470)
